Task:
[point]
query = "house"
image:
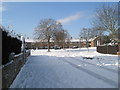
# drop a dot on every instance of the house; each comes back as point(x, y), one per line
point(42, 44)
point(95, 42)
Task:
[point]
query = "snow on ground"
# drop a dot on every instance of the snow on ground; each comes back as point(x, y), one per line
point(70, 68)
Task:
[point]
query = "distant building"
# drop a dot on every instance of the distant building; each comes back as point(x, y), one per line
point(95, 42)
point(42, 44)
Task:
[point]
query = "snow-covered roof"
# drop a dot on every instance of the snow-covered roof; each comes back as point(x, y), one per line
point(36, 40)
point(81, 40)
point(72, 40)
point(31, 40)
point(75, 40)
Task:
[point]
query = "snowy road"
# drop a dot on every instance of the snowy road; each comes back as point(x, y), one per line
point(68, 69)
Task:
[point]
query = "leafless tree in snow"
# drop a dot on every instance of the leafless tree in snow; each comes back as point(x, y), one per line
point(45, 30)
point(86, 34)
point(61, 36)
point(107, 18)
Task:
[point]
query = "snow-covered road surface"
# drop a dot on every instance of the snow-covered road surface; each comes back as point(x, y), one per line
point(68, 69)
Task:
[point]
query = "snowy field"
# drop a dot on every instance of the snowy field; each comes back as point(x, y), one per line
point(70, 68)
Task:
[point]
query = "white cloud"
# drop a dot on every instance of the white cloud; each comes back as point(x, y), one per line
point(70, 18)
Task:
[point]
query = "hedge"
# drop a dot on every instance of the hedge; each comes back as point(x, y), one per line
point(9, 45)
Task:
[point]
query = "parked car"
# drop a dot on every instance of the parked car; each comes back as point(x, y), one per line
point(75, 47)
point(57, 47)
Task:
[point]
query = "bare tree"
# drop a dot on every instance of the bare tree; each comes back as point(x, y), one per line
point(98, 32)
point(86, 34)
point(45, 30)
point(66, 37)
point(107, 18)
point(60, 37)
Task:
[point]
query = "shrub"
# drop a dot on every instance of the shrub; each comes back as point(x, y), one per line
point(9, 44)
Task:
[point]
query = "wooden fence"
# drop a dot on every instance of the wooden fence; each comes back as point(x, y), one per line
point(107, 49)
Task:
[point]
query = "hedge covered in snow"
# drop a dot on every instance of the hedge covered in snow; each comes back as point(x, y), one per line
point(10, 44)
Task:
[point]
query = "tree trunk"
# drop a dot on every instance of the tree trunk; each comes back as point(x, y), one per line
point(49, 44)
point(87, 45)
point(63, 45)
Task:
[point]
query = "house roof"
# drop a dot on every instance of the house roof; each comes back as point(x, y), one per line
point(35, 40)
point(81, 40)
point(72, 40)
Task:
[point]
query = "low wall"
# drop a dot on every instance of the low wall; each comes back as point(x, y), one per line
point(11, 69)
point(107, 49)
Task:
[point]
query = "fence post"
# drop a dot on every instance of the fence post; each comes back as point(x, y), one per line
point(0, 58)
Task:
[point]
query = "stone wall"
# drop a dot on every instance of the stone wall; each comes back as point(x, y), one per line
point(11, 69)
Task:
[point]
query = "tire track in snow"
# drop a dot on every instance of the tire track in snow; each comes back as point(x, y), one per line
point(106, 80)
point(108, 69)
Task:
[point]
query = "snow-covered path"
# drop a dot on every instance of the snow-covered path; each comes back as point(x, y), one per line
point(68, 69)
